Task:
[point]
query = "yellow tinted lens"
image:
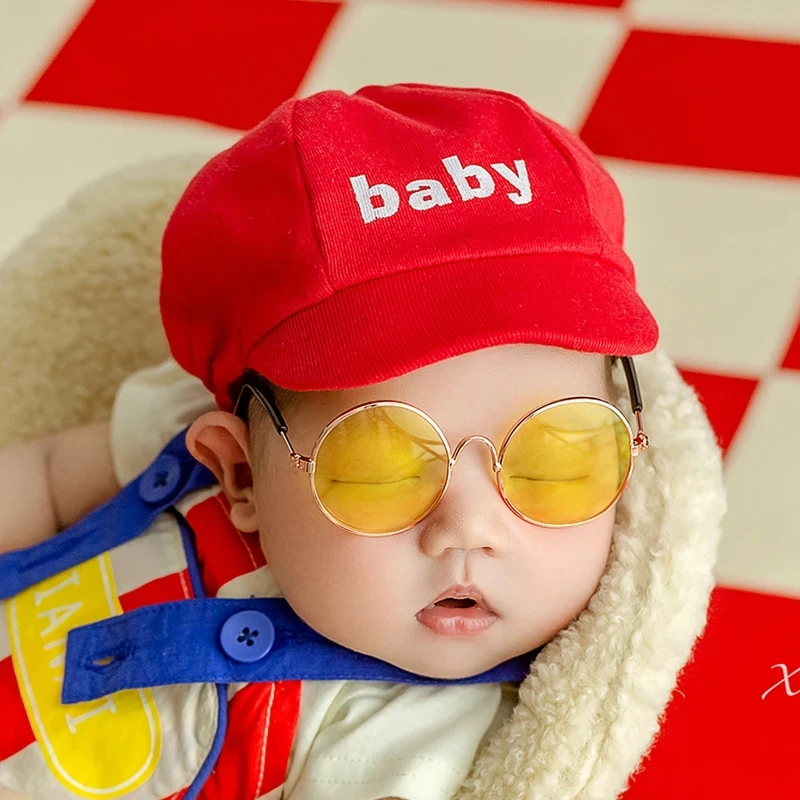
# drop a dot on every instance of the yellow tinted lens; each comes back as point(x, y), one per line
point(381, 469)
point(567, 463)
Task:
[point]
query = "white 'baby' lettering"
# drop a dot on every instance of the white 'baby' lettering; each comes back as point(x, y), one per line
point(427, 193)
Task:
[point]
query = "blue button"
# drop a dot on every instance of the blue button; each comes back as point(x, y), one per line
point(162, 480)
point(247, 636)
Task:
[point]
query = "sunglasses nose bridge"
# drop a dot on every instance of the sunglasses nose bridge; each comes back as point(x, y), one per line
point(467, 439)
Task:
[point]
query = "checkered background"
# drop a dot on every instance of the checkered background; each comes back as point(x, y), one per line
point(692, 106)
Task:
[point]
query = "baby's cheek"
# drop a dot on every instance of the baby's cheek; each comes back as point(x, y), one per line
point(568, 564)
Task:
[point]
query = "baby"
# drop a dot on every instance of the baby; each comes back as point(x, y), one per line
point(460, 258)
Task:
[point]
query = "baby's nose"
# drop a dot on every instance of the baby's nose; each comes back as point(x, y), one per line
point(472, 514)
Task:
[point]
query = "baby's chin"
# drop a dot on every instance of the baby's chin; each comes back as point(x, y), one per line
point(447, 664)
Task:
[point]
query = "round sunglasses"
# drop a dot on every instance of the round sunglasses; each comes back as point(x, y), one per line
point(379, 468)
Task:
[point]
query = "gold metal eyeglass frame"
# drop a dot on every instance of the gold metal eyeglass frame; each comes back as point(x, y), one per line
point(253, 383)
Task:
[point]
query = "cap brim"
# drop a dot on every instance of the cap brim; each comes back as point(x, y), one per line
point(383, 328)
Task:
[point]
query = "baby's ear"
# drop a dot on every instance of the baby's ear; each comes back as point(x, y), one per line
point(218, 440)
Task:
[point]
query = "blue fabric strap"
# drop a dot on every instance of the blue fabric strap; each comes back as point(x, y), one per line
point(189, 641)
point(132, 511)
point(180, 642)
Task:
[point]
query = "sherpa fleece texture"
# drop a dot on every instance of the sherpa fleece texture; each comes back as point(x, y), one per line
point(79, 312)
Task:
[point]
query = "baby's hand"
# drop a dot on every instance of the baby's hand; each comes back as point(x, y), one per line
point(49, 483)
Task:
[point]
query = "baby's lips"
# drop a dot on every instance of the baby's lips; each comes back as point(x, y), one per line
point(460, 592)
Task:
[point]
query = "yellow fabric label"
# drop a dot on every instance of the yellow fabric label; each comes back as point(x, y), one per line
point(101, 748)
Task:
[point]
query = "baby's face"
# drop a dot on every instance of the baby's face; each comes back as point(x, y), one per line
point(366, 593)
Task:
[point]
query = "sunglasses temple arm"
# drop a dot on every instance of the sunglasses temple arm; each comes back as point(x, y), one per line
point(253, 384)
point(633, 383)
point(641, 441)
point(266, 397)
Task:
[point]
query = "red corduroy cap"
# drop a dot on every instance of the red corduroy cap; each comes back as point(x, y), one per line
point(351, 238)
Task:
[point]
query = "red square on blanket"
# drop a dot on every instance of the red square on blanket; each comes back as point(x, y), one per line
point(229, 63)
point(730, 729)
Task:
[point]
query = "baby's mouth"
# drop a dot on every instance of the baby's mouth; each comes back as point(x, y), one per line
point(457, 602)
point(458, 611)
point(459, 596)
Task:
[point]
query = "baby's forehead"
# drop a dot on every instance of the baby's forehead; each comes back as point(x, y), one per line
point(504, 368)
point(496, 382)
